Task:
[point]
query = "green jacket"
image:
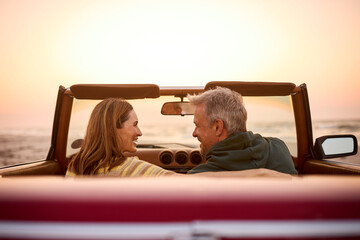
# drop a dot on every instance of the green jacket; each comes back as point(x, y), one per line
point(245, 150)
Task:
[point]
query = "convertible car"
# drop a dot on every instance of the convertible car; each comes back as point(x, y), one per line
point(322, 202)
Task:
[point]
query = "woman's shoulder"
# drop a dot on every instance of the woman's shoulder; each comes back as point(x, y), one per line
point(70, 174)
point(133, 159)
point(135, 167)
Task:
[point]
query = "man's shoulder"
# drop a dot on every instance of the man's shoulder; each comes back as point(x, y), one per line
point(276, 141)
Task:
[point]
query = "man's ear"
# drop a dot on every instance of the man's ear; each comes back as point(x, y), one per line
point(219, 127)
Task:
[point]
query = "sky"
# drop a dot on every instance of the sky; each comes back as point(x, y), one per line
point(45, 44)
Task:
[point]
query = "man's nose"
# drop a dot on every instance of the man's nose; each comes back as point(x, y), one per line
point(139, 132)
point(194, 133)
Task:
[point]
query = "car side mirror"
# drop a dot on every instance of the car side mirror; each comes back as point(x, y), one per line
point(334, 146)
point(178, 108)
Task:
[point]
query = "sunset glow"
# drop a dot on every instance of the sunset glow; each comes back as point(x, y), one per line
point(44, 44)
point(167, 42)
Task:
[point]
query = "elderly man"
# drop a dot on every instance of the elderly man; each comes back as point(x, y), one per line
point(220, 126)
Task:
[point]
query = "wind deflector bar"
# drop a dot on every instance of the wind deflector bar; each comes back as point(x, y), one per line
point(59, 100)
point(126, 91)
point(256, 88)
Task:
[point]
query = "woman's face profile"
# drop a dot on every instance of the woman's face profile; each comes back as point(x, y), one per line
point(129, 133)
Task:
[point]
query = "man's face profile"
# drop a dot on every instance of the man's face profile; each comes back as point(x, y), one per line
point(203, 132)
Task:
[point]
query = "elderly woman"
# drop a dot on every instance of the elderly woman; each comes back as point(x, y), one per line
point(113, 130)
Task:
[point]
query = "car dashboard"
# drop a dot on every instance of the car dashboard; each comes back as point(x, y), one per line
point(171, 156)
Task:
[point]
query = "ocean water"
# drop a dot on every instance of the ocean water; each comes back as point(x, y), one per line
point(23, 145)
point(32, 144)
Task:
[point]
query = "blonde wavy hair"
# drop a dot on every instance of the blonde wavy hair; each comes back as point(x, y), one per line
point(101, 146)
point(225, 104)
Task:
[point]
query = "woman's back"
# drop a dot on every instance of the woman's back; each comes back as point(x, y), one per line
point(131, 167)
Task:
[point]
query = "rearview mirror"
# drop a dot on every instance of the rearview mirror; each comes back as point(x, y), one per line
point(334, 146)
point(178, 108)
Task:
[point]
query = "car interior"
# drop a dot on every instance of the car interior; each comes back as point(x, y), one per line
point(274, 109)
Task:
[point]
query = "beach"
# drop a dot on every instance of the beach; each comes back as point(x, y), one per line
point(32, 144)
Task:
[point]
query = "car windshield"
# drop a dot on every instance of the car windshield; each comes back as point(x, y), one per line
point(269, 116)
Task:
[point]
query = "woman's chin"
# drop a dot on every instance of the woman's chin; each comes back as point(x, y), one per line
point(132, 150)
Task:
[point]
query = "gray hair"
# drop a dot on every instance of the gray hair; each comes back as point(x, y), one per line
point(225, 104)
